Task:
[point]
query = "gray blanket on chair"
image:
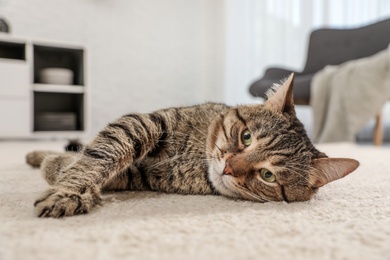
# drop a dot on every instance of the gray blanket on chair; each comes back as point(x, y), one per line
point(345, 97)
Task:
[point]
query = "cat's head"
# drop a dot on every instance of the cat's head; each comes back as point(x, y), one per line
point(262, 153)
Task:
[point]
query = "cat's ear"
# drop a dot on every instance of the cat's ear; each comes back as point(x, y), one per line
point(281, 99)
point(326, 170)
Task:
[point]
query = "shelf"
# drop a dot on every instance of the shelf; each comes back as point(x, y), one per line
point(58, 111)
point(58, 57)
point(12, 51)
point(58, 134)
point(58, 88)
point(12, 61)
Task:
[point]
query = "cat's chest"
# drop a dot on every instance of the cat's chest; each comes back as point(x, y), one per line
point(179, 170)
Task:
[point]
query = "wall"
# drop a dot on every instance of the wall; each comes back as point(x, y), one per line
point(142, 54)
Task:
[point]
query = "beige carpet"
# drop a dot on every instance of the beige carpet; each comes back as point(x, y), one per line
point(348, 219)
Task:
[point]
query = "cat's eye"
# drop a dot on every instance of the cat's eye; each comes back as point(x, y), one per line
point(267, 175)
point(246, 138)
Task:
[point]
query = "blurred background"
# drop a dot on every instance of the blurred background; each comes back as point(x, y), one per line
point(141, 55)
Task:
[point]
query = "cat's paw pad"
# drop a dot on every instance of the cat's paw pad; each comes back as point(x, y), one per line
point(57, 203)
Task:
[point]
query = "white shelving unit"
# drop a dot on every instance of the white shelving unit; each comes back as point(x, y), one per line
point(58, 88)
point(30, 108)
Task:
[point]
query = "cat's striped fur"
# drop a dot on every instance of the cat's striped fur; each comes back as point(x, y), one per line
point(192, 150)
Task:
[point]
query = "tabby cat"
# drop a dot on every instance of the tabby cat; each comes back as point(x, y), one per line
point(253, 152)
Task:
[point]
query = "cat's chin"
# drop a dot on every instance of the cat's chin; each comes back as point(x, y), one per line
point(217, 179)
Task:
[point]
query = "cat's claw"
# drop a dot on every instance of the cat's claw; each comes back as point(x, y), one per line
point(57, 203)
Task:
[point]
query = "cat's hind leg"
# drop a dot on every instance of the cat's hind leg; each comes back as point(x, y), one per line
point(36, 158)
point(55, 164)
point(51, 163)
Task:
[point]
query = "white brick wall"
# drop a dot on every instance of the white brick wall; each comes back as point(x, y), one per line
point(142, 54)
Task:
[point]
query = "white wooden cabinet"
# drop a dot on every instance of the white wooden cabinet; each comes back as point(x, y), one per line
point(15, 117)
point(30, 108)
point(17, 85)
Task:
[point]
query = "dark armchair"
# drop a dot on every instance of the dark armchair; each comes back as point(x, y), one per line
point(328, 47)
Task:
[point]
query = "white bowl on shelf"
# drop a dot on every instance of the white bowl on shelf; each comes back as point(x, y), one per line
point(57, 76)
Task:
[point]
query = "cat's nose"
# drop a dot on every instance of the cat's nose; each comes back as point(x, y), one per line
point(228, 170)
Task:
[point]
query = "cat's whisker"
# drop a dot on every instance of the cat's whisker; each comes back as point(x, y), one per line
point(218, 147)
point(244, 193)
point(205, 134)
point(297, 171)
point(255, 197)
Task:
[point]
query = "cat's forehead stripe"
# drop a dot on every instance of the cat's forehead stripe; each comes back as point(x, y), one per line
point(239, 116)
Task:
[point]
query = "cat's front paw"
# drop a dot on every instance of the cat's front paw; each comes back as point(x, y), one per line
point(57, 203)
